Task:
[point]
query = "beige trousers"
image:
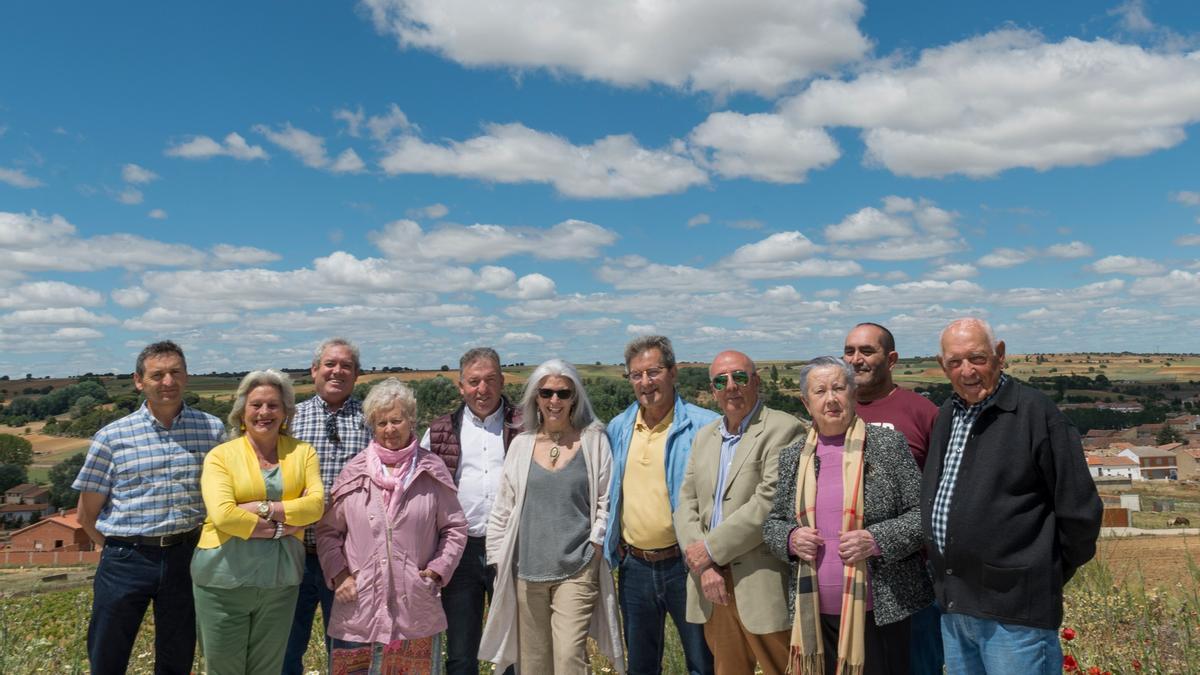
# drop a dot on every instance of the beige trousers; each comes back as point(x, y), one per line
point(553, 619)
point(735, 649)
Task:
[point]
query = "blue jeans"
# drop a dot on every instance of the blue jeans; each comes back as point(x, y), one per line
point(313, 591)
point(463, 599)
point(128, 578)
point(925, 655)
point(975, 645)
point(648, 591)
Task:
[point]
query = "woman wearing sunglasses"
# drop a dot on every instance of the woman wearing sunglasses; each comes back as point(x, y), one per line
point(553, 587)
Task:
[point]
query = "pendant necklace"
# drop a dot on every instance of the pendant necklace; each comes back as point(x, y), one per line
point(554, 452)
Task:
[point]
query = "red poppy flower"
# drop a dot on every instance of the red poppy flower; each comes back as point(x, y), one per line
point(1069, 664)
point(1094, 670)
point(1068, 634)
point(1137, 665)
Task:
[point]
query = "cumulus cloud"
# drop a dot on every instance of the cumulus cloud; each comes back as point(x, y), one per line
point(204, 147)
point(1188, 240)
point(348, 162)
point(613, 167)
point(433, 211)
point(570, 239)
point(55, 316)
point(1123, 264)
point(130, 196)
point(634, 272)
point(1005, 257)
point(866, 224)
point(904, 229)
point(779, 247)
point(952, 271)
point(19, 179)
point(132, 296)
point(1186, 197)
point(137, 175)
point(699, 219)
point(530, 287)
point(37, 294)
point(228, 255)
point(521, 338)
point(762, 147)
point(707, 45)
point(1010, 99)
point(157, 214)
point(1074, 249)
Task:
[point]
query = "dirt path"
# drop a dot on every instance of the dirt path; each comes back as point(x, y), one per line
point(1160, 560)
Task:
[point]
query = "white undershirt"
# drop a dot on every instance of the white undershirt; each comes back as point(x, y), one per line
point(479, 466)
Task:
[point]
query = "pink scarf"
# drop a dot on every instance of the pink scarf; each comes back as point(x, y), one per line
point(392, 485)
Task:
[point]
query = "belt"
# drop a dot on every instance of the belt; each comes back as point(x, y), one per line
point(653, 554)
point(161, 542)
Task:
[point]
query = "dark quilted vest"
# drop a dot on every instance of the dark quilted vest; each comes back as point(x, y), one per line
point(443, 434)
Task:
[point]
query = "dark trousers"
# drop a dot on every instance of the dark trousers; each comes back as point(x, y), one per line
point(128, 578)
point(463, 600)
point(926, 644)
point(648, 592)
point(886, 648)
point(313, 591)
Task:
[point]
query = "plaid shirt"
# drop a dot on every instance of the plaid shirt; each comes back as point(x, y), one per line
point(960, 428)
point(150, 474)
point(315, 425)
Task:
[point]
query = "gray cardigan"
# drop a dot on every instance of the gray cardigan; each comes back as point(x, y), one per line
point(891, 505)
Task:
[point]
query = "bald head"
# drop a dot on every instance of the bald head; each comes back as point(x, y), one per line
point(734, 385)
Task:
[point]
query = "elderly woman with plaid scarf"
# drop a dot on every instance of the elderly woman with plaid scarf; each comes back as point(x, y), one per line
point(846, 516)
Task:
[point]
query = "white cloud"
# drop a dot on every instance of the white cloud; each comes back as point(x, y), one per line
point(915, 248)
point(19, 230)
point(699, 219)
point(781, 246)
point(55, 316)
point(137, 175)
point(162, 318)
point(637, 273)
point(1178, 287)
point(614, 166)
point(353, 118)
point(1122, 264)
point(1004, 258)
point(77, 333)
point(30, 242)
point(228, 255)
point(304, 146)
point(521, 338)
point(570, 239)
point(37, 294)
point(638, 329)
point(531, 287)
point(133, 296)
point(1188, 240)
point(203, 147)
point(590, 326)
point(707, 45)
point(868, 223)
point(1074, 249)
point(383, 127)
point(19, 179)
point(762, 147)
point(813, 267)
point(130, 196)
point(916, 293)
point(1009, 99)
point(953, 271)
point(348, 162)
point(433, 211)
point(157, 214)
point(1186, 197)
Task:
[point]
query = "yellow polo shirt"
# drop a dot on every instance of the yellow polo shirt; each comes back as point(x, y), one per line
point(646, 506)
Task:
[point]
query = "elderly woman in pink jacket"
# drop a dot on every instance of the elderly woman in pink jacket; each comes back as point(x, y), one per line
point(390, 539)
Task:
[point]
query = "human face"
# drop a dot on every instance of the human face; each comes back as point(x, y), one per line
point(480, 385)
point(264, 412)
point(872, 363)
point(393, 429)
point(827, 397)
point(334, 375)
point(163, 381)
point(556, 412)
point(654, 394)
point(970, 363)
point(736, 400)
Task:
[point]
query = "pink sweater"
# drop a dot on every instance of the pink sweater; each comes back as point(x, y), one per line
point(829, 525)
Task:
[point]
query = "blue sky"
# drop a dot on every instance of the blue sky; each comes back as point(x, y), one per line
point(423, 176)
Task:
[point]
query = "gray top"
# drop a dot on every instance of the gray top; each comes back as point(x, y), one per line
point(552, 543)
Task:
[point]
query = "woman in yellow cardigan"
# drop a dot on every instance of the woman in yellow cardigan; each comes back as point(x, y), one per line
point(260, 490)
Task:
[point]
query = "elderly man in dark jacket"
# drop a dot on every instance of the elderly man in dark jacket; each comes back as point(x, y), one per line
point(1009, 511)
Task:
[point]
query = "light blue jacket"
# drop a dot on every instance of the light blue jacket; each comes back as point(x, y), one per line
point(688, 420)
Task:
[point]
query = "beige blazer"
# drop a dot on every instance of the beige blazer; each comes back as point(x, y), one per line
point(759, 578)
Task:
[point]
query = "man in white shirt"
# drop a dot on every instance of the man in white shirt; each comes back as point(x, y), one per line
point(472, 442)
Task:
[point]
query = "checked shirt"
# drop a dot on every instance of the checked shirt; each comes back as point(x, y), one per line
point(150, 474)
point(960, 429)
point(315, 425)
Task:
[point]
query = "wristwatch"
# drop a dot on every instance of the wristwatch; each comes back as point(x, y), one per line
point(264, 509)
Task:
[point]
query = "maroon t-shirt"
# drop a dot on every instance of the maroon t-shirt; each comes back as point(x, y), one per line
point(907, 412)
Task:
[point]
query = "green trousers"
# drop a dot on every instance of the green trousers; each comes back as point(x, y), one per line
point(244, 630)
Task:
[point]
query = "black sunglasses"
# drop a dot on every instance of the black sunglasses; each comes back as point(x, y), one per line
point(721, 381)
point(563, 394)
point(331, 430)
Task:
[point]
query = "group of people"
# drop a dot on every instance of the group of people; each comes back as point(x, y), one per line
point(887, 536)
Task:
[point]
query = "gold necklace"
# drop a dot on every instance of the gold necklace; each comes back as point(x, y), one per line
point(554, 452)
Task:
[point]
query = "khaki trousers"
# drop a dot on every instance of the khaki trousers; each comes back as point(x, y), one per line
point(553, 619)
point(735, 649)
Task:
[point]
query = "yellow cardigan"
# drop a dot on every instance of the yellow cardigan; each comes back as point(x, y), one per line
point(232, 476)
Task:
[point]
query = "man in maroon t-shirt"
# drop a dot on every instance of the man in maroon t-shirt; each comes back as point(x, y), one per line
point(871, 350)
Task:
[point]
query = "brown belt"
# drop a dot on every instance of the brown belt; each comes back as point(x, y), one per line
point(653, 554)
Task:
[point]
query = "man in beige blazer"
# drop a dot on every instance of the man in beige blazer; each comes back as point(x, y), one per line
point(736, 588)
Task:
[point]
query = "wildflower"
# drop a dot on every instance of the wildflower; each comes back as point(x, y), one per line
point(1094, 670)
point(1137, 665)
point(1069, 664)
point(1068, 634)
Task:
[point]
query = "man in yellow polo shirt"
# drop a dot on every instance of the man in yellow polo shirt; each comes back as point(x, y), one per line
point(651, 441)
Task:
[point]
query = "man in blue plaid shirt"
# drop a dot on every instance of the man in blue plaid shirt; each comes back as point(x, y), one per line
point(139, 499)
point(333, 423)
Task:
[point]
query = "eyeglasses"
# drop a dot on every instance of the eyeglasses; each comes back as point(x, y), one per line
point(331, 430)
point(562, 394)
point(741, 377)
point(651, 374)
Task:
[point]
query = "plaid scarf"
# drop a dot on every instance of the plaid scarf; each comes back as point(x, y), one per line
point(807, 654)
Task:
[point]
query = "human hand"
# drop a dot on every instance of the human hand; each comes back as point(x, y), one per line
point(347, 590)
point(697, 556)
point(856, 545)
point(431, 575)
point(803, 543)
point(712, 583)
